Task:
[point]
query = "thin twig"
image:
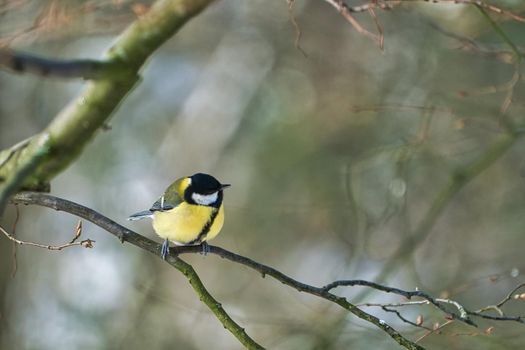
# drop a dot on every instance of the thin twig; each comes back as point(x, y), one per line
point(298, 32)
point(383, 5)
point(86, 243)
point(13, 250)
point(434, 330)
point(400, 304)
point(379, 28)
point(437, 302)
point(497, 307)
point(388, 4)
point(404, 319)
point(510, 295)
point(345, 11)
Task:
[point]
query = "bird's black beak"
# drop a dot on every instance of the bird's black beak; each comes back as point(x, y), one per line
point(223, 186)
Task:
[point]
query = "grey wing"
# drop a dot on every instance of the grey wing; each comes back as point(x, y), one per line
point(141, 215)
point(159, 205)
point(162, 204)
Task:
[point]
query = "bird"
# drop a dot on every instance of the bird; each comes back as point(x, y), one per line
point(190, 212)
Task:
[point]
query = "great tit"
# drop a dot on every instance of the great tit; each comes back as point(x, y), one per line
point(190, 212)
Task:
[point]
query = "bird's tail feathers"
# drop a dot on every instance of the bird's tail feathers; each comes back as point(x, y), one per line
point(141, 215)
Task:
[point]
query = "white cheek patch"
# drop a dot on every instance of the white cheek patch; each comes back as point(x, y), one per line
point(205, 199)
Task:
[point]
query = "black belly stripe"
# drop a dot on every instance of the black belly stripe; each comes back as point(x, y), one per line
point(205, 229)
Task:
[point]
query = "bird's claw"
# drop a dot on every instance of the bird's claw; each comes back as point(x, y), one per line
point(205, 248)
point(165, 249)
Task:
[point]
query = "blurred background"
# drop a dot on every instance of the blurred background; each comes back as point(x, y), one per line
point(335, 157)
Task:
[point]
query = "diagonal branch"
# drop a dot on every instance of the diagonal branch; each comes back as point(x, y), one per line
point(87, 69)
point(216, 307)
point(51, 151)
point(126, 235)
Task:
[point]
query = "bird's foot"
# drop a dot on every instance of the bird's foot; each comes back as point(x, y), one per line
point(205, 248)
point(165, 250)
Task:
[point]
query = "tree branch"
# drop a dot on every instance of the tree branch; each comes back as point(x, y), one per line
point(346, 11)
point(126, 235)
point(87, 69)
point(86, 243)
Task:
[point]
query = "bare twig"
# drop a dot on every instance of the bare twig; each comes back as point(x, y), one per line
point(13, 251)
point(387, 4)
point(437, 328)
point(427, 299)
point(497, 307)
point(437, 302)
point(468, 44)
point(298, 32)
point(379, 28)
point(510, 295)
point(78, 231)
point(404, 319)
point(383, 5)
point(346, 12)
point(86, 243)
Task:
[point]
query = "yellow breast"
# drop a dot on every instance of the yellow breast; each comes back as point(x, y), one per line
point(184, 223)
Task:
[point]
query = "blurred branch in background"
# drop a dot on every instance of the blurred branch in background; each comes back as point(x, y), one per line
point(346, 11)
point(49, 152)
point(461, 176)
point(85, 69)
point(459, 179)
point(65, 18)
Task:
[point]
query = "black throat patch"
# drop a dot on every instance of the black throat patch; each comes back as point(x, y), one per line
point(205, 229)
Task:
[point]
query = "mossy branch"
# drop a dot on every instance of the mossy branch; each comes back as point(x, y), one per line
point(215, 307)
point(126, 235)
point(70, 131)
point(459, 313)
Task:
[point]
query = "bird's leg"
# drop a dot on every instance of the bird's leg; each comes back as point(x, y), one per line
point(165, 250)
point(205, 248)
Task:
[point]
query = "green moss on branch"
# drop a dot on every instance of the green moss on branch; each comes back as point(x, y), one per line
point(77, 124)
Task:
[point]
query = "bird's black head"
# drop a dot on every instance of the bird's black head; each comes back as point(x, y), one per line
point(204, 189)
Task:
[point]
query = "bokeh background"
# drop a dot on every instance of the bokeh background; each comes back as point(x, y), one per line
point(334, 158)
